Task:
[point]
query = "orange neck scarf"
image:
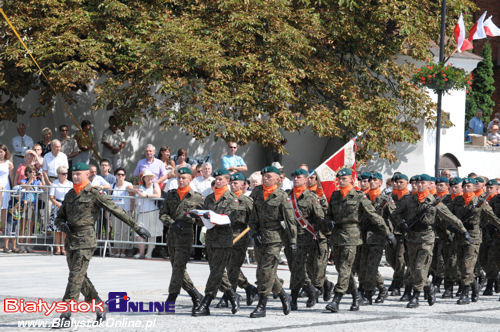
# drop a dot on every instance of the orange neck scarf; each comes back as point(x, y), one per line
point(344, 191)
point(183, 191)
point(365, 190)
point(374, 193)
point(313, 188)
point(453, 196)
point(491, 196)
point(478, 192)
point(442, 193)
point(268, 190)
point(433, 191)
point(219, 192)
point(297, 191)
point(238, 193)
point(400, 193)
point(422, 195)
point(468, 197)
point(79, 186)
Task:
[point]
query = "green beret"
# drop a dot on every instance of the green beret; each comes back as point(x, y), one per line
point(433, 179)
point(299, 171)
point(456, 180)
point(376, 175)
point(399, 176)
point(469, 180)
point(479, 179)
point(344, 172)
point(270, 169)
point(442, 179)
point(79, 166)
point(220, 171)
point(492, 182)
point(364, 176)
point(237, 177)
point(414, 178)
point(184, 170)
point(424, 177)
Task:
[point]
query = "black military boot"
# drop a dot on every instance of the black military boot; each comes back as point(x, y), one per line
point(361, 294)
point(383, 293)
point(460, 290)
point(489, 287)
point(497, 285)
point(234, 298)
point(282, 282)
point(396, 292)
point(252, 294)
point(64, 321)
point(195, 297)
point(369, 296)
point(437, 284)
point(430, 291)
point(475, 291)
point(260, 310)
point(334, 305)
point(295, 296)
point(448, 290)
point(285, 301)
point(204, 308)
point(312, 294)
point(170, 298)
point(392, 286)
point(464, 296)
point(303, 292)
point(355, 301)
point(406, 295)
point(414, 300)
point(481, 280)
point(327, 290)
point(223, 302)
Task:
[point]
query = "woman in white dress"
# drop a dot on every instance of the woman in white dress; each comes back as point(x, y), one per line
point(121, 231)
point(6, 177)
point(58, 190)
point(148, 212)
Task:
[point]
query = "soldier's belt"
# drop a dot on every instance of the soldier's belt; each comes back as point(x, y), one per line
point(80, 228)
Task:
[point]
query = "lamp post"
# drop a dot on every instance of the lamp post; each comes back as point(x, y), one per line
point(440, 92)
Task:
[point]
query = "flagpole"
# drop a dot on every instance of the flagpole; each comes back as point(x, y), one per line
point(440, 92)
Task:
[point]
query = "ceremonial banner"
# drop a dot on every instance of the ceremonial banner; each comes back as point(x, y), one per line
point(463, 44)
point(477, 31)
point(327, 171)
point(215, 218)
point(490, 28)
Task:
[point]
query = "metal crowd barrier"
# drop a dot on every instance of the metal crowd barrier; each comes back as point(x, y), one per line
point(27, 220)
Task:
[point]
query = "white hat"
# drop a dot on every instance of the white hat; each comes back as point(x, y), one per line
point(277, 165)
point(147, 173)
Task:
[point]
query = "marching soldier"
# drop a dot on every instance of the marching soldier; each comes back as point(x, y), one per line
point(271, 221)
point(416, 216)
point(219, 241)
point(493, 253)
point(471, 210)
point(309, 217)
point(76, 217)
point(372, 248)
point(174, 213)
point(344, 212)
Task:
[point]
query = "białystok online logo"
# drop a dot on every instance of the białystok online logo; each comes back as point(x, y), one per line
point(120, 302)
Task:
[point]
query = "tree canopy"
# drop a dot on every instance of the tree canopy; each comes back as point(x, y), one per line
point(243, 70)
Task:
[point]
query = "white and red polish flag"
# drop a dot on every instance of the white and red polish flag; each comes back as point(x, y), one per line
point(345, 157)
point(463, 44)
point(490, 28)
point(477, 31)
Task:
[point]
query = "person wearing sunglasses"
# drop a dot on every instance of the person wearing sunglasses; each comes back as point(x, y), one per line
point(231, 161)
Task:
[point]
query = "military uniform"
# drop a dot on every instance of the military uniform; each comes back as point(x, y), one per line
point(494, 252)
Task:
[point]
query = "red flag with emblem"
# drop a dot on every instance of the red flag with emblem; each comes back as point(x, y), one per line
point(345, 157)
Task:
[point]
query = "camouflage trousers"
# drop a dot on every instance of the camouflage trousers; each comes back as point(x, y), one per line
point(419, 263)
point(268, 256)
point(368, 275)
point(234, 277)
point(343, 257)
point(488, 257)
point(396, 258)
point(467, 255)
point(437, 265)
point(450, 261)
point(179, 257)
point(78, 281)
point(309, 265)
point(218, 259)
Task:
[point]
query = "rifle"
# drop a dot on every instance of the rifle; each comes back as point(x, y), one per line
point(415, 220)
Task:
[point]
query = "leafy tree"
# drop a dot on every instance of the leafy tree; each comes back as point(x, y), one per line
point(483, 86)
point(238, 69)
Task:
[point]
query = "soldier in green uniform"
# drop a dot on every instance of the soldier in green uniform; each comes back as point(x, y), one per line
point(345, 210)
point(374, 242)
point(219, 241)
point(493, 200)
point(396, 255)
point(76, 217)
point(472, 211)
point(271, 221)
point(456, 191)
point(174, 213)
point(416, 216)
point(310, 219)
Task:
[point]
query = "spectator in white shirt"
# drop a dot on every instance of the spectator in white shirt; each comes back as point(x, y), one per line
point(52, 160)
point(494, 136)
point(97, 180)
point(57, 192)
point(286, 183)
point(202, 183)
point(20, 145)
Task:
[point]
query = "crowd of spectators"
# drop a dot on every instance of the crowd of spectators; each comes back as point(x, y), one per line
point(477, 127)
